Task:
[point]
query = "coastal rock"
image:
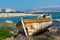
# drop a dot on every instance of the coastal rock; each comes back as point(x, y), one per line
point(8, 21)
point(20, 37)
point(12, 38)
point(58, 20)
point(53, 30)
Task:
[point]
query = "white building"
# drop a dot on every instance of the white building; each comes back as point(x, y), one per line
point(10, 10)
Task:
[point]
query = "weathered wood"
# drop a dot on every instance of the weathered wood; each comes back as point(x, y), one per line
point(37, 20)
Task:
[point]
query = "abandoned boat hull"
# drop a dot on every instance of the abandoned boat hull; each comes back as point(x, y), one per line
point(34, 28)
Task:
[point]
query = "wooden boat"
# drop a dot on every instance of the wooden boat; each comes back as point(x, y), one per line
point(36, 26)
point(31, 27)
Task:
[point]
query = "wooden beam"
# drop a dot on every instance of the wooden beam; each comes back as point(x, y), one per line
point(23, 26)
point(37, 20)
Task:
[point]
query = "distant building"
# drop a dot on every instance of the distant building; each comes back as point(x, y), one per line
point(10, 10)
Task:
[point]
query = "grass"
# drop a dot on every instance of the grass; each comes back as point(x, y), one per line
point(5, 29)
point(4, 34)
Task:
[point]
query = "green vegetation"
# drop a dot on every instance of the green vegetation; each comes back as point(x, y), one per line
point(9, 27)
point(4, 34)
point(5, 30)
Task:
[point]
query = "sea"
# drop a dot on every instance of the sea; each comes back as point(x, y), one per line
point(55, 15)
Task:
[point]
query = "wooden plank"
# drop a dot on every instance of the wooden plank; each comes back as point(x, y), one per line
point(23, 26)
point(37, 20)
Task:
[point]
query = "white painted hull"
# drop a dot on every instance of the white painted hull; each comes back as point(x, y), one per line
point(34, 27)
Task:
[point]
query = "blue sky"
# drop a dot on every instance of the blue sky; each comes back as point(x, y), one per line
point(27, 4)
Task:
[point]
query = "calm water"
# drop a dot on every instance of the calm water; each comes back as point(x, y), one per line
point(16, 19)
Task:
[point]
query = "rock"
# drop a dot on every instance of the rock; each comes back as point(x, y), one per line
point(57, 38)
point(7, 39)
point(53, 30)
point(12, 38)
point(20, 37)
point(57, 20)
point(11, 32)
point(8, 21)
